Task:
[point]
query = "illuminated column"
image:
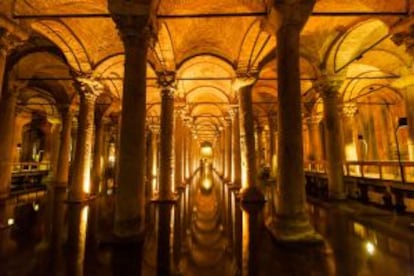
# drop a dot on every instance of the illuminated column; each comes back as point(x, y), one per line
point(188, 152)
point(291, 221)
point(409, 102)
point(315, 153)
point(328, 89)
point(62, 172)
point(155, 130)
point(130, 196)
point(228, 149)
point(11, 36)
point(165, 195)
point(97, 169)
point(167, 82)
point(54, 148)
point(272, 143)
point(349, 111)
point(80, 181)
point(178, 149)
point(260, 147)
point(7, 123)
point(222, 151)
point(236, 164)
point(250, 191)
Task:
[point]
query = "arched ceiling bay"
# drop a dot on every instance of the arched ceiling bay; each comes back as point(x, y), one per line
point(207, 42)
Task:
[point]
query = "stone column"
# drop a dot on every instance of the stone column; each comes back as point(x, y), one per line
point(291, 221)
point(260, 147)
point(130, 196)
point(349, 111)
point(272, 143)
point(228, 149)
point(7, 123)
point(11, 36)
point(165, 196)
point(186, 141)
point(98, 156)
point(167, 136)
point(236, 163)
point(81, 180)
point(409, 101)
point(315, 150)
point(178, 149)
point(62, 172)
point(250, 191)
point(150, 161)
point(333, 137)
point(55, 137)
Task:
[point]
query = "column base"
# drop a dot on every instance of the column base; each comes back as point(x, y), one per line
point(293, 230)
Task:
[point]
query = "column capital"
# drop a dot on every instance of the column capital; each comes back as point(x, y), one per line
point(290, 12)
point(134, 20)
point(349, 109)
point(167, 82)
point(328, 86)
point(155, 129)
point(244, 79)
point(11, 35)
point(314, 119)
point(89, 87)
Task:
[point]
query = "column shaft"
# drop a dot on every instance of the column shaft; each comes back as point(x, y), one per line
point(7, 123)
point(98, 157)
point(166, 145)
point(247, 125)
point(409, 101)
point(236, 164)
point(334, 145)
point(272, 145)
point(178, 149)
point(291, 220)
point(130, 196)
point(80, 182)
point(62, 173)
point(227, 174)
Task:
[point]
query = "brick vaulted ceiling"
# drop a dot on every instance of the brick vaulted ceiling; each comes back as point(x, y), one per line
point(208, 42)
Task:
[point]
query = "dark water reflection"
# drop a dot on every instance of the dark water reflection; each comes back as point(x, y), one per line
point(52, 237)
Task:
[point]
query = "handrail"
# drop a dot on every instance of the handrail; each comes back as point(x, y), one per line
point(19, 167)
point(383, 170)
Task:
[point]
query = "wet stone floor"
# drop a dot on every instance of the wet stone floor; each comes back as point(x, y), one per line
point(45, 235)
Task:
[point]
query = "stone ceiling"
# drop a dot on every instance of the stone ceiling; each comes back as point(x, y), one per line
point(206, 49)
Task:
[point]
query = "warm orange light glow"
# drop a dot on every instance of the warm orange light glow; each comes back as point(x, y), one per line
point(351, 152)
point(206, 151)
point(370, 248)
point(207, 184)
point(87, 183)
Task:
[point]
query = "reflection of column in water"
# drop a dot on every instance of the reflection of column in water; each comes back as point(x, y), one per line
point(58, 214)
point(6, 221)
point(77, 226)
point(252, 222)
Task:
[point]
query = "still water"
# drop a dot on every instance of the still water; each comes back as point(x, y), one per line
point(45, 235)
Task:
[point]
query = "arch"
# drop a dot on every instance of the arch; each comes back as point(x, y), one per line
point(67, 41)
point(355, 42)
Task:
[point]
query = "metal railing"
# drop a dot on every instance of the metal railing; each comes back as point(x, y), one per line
point(25, 167)
point(382, 170)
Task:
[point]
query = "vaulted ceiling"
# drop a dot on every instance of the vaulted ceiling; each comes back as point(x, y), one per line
point(207, 43)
